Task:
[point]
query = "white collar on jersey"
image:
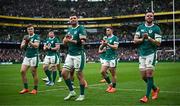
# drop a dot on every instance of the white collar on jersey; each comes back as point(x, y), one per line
point(32, 35)
point(150, 25)
point(110, 36)
point(51, 38)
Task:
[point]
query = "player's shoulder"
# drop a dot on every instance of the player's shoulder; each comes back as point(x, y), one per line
point(115, 37)
point(81, 27)
point(156, 26)
point(141, 25)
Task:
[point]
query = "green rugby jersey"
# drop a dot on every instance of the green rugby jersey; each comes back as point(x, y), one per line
point(31, 51)
point(52, 43)
point(75, 33)
point(146, 47)
point(111, 53)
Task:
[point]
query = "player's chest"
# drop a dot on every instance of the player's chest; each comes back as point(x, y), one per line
point(150, 31)
point(74, 33)
point(50, 42)
point(110, 41)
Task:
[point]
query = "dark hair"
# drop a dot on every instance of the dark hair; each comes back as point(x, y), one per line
point(50, 30)
point(109, 27)
point(73, 14)
point(149, 11)
point(29, 25)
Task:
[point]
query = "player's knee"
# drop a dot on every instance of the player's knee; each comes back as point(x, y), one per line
point(149, 74)
point(23, 72)
point(45, 67)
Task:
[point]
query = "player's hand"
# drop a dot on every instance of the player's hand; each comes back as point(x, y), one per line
point(104, 43)
point(26, 38)
point(145, 35)
point(68, 37)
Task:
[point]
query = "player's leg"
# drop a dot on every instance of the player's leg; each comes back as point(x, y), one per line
point(112, 69)
point(142, 68)
point(35, 77)
point(33, 65)
point(53, 69)
point(65, 74)
point(24, 68)
point(102, 80)
point(79, 63)
point(104, 69)
point(150, 64)
point(59, 72)
point(54, 60)
point(46, 68)
point(23, 71)
point(72, 76)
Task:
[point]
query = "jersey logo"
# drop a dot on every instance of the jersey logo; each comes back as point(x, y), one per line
point(142, 30)
point(75, 32)
point(150, 31)
point(51, 41)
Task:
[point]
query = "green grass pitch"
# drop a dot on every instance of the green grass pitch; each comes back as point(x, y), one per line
point(130, 87)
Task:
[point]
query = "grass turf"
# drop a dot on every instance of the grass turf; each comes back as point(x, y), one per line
point(130, 87)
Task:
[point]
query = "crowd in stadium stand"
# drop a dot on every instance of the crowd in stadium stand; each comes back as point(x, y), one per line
point(16, 35)
point(57, 8)
point(124, 54)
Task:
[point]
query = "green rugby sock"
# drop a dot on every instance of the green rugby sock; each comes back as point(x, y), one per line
point(81, 89)
point(149, 86)
point(54, 74)
point(26, 85)
point(107, 80)
point(68, 83)
point(48, 73)
point(153, 87)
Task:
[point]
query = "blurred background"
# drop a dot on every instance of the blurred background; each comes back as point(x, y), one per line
point(123, 15)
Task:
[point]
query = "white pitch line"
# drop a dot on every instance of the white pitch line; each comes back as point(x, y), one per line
point(96, 86)
point(138, 90)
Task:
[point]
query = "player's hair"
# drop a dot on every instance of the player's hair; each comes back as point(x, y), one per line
point(109, 27)
point(51, 30)
point(73, 14)
point(149, 11)
point(29, 25)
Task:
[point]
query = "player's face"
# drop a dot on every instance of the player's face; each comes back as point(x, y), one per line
point(149, 17)
point(73, 20)
point(51, 34)
point(108, 31)
point(30, 30)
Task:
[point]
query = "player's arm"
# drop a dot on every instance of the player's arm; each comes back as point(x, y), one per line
point(157, 38)
point(57, 46)
point(156, 41)
point(23, 44)
point(45, 46)
point(137, 38)
point(101, 50)
point(82, 36)
point(34, 44)
point(25, 41)
point(114, 46)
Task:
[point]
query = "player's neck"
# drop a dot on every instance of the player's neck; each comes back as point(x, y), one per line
point(31, 34)
point(75, 25)
point(149, 24)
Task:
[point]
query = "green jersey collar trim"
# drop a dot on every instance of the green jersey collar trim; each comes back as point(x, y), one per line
point(31, 35)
